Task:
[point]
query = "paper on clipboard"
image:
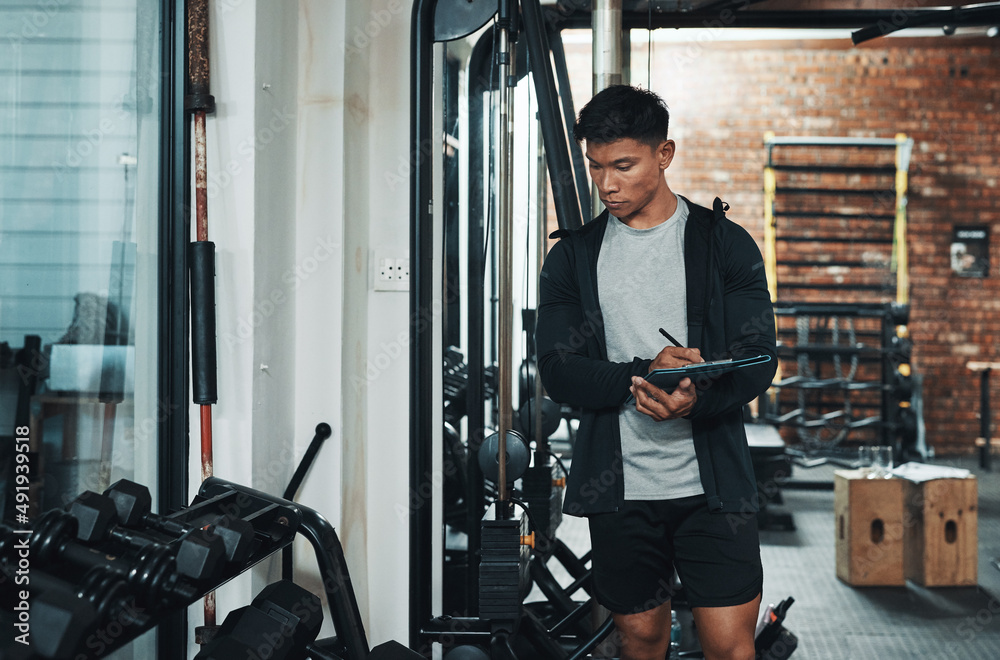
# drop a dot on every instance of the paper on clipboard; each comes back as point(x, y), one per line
point(668, 379)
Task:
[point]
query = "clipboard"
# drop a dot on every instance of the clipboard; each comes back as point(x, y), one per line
point(668, 379)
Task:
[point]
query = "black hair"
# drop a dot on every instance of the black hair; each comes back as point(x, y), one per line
point(622, 111)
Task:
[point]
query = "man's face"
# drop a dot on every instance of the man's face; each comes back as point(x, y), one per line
point(628, 173)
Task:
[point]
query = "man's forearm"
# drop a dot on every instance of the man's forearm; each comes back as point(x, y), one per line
point(588, 383)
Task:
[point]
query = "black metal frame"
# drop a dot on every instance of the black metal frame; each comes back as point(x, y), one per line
point(478, 67)
point(172, 308)
point(569, 118)
point(564, 191)
point(985, 420)
point(421, 291)
point(869, 21)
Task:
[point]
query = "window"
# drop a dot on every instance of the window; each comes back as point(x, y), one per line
point(79, 208)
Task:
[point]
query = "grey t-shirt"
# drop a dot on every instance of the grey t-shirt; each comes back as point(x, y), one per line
point(642, 287)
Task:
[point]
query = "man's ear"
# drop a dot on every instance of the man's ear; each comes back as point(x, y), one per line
point(665, 153)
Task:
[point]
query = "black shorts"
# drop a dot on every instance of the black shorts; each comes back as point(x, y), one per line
point(637, 548)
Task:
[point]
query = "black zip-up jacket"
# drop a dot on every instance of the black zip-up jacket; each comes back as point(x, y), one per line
point(729, 314)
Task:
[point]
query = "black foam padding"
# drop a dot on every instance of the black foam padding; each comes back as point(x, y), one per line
point(201, 258)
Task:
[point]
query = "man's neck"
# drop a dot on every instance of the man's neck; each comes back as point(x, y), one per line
point(659, 210)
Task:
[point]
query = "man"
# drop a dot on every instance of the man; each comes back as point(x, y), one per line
point(666, 482)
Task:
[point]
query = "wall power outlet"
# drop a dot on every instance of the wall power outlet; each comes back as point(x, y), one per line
point(392, 270)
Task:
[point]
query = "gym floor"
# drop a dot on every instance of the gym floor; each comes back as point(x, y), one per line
point(834, 621)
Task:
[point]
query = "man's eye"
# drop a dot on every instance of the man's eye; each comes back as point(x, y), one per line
point(624, 168)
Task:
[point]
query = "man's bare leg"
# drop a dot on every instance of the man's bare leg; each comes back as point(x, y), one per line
point(646, 635)
point(726, 633)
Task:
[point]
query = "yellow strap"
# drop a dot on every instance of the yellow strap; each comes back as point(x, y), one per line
point(900, 262)
point(770, 236)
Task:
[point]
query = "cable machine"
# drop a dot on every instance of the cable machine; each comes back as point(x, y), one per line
point(499, 540)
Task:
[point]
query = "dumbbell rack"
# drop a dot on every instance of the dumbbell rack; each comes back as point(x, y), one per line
point(77, 605)
point(845, 375)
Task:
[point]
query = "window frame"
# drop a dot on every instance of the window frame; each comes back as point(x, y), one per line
point(172, 294)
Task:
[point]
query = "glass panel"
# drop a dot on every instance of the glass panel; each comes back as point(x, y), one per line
point(79, 158)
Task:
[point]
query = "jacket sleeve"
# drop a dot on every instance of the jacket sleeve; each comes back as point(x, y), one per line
point(563, 333)
point(749, 330)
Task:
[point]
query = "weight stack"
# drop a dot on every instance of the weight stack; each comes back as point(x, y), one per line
point(543, 491)
point(503, 569)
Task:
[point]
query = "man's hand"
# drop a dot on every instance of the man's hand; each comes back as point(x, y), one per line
point(672, 357)
point(651, 400)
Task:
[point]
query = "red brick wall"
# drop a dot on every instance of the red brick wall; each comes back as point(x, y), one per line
point(944, 93)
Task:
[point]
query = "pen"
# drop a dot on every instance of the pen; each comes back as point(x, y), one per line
point(671, 339)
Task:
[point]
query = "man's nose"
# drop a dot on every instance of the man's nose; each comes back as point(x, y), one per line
point(608, 183)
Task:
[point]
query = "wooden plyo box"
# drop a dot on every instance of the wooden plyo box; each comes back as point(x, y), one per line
point(941, 537)
point(869, 529)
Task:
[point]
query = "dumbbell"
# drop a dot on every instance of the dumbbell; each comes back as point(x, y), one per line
point(198, 554)
point(68, 613)
point(280, 624)
point(62, 613)
point(152, 575)
point(133, 505)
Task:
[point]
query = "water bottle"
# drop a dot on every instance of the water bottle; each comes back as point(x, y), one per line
point(675, 636)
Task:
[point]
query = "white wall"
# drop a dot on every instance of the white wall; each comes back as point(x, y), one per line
point(319, 276)
point(375, 375)
point(275, 90)
point(295, 225)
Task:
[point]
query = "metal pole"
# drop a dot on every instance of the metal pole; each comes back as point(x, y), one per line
point(201, 103)
point(541, 208)
point(198, 72)
point(607, 43)
point(505, 267)
point(985, 419)
point(607, 54)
